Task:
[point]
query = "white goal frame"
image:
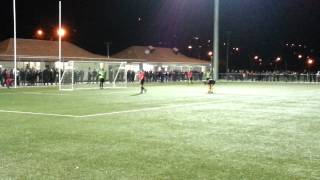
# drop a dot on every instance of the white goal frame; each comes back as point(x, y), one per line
point(71, 68)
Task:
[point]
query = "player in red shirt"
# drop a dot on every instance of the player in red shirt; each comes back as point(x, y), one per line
point(8, 79)
point(142, 78)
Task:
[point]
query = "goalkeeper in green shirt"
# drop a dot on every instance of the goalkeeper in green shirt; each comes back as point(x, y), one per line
point(101, 75)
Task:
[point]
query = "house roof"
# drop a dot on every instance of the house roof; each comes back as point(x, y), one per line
point(43, 49)
point(157, 55)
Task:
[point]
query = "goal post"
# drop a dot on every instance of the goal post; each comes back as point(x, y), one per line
point(66, 81)
point(85, 75)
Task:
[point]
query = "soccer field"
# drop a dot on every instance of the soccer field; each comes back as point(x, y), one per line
point(243, 131)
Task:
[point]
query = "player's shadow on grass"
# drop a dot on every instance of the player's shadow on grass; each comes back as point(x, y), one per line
point(137, 94)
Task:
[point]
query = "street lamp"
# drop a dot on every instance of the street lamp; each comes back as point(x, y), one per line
point(39, 33)
point(61, 32)
point(310, 61)
point(189, 47)
point(300, 56)
point(260, 62)
point(277, 60)
point(256, 57)
point(210, 53)
point(236, 49)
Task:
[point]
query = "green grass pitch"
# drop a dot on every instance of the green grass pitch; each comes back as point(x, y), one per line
point(243, 131)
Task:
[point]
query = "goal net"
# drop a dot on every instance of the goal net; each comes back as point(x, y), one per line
point(85, 75)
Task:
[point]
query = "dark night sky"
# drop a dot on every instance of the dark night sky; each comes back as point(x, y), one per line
point(258, 26)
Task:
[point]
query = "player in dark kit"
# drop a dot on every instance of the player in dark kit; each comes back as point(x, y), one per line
point(211, 83)
point(142, 78)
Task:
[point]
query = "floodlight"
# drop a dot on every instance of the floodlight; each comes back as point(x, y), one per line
point(61, 32)
point(310, 61)
point(39, 32)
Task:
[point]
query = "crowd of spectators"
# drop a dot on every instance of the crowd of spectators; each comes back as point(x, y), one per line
point(167, 76)
point(285, 76)
point(29, 76)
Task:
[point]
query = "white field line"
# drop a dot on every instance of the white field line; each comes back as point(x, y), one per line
point(50, 94)
point(55, 94)
point(34, 93)
point(41, 114)
point(108, 113)
point(213, 105)
point(97, 88)
point(145, 109)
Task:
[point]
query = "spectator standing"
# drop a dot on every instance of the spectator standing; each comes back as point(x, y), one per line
point(89, 76)
point(45, 75)
point(189, 74)
point(94, 75)
point(129, 75)
point(81, 76)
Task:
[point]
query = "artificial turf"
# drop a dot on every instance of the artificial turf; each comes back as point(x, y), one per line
point(242, 131)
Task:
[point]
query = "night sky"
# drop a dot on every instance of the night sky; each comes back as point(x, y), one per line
point(258, 27)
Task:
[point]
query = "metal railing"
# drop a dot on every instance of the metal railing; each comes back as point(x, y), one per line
point(271, 77)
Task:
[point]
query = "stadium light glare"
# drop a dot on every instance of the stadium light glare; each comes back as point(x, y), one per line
point(310, 61)
point(40, 32)
point(61, 32)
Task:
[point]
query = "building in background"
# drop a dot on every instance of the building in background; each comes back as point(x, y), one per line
point(41, 53)
point(149, 58)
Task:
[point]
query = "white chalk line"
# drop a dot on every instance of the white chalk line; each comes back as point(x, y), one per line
point(40, 93)
point(186, 105)
point(106, 114)
point(54, 94)
point(34, 93)
point(145, 109)
point(42, 114)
